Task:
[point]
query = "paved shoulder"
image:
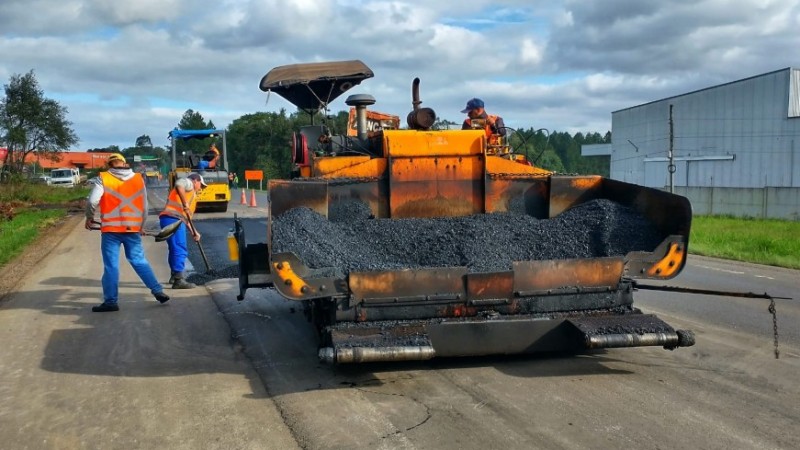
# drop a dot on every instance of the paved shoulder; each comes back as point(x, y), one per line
point(148, 376)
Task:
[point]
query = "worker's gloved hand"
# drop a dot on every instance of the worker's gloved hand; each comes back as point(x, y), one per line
point(196, 237)
point(88, 224)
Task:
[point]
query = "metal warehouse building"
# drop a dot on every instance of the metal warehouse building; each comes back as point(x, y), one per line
point(735, 147)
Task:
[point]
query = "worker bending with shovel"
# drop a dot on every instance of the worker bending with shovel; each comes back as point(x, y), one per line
point(181, 203)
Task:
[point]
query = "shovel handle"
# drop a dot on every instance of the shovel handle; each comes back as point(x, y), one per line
point(194, 232)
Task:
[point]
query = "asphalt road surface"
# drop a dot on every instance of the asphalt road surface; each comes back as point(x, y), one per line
point(727, 392)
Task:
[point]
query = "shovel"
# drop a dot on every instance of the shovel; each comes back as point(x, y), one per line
point(160, 235)
point(202, 253)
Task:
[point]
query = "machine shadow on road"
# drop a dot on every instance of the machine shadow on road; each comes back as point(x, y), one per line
point(282, 346)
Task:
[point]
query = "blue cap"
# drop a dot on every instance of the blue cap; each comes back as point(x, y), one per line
point(473, 104)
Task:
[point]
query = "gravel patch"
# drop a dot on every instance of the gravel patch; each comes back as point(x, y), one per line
point(355, 241)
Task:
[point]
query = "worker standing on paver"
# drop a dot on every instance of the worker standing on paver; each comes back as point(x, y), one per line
point(181, 203)
point(122, 198)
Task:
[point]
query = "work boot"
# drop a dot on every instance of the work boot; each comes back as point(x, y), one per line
point(181, 283)
point(105, 307)
point(161, 297)
point(172, 277)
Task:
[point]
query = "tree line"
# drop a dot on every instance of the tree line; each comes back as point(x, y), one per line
point(31, 123)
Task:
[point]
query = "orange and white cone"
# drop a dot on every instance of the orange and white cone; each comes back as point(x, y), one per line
point(253, 198)
point(244, 197)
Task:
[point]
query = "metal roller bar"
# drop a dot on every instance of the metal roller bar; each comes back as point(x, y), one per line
point(669, 340)
point(330, 355)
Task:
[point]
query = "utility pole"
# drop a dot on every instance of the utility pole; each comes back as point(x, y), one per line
point(671, 166)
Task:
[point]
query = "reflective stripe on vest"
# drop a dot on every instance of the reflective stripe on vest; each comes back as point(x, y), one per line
point(122, 206)
point(174, 207)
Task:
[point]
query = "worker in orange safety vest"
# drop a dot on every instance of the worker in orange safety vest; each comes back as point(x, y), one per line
point(494, 126)
point(180, 206)
point(121, 197)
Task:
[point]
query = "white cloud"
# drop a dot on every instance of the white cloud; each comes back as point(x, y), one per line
point(127, 69)
point(127, 12)
point(530, 53)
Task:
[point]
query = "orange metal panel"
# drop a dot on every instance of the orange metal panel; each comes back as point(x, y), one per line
point(521, 196)
point(348, 167)
point(540, 276)
point(288, 280)
point(496, 285)
point(422, 284)
point(328, 164)
point(436, 186)
point(566, 192)
point(671, 264)
point(286, 194)
point(511, 186)
point(450, 168)
point(398, 143)
point(500, 165)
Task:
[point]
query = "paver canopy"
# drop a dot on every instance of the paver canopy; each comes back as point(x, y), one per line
point(312, 86)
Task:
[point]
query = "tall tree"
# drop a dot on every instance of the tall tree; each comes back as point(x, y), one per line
point(261, 141)
point(31, 123)
point(193, 120)
point(144, 141)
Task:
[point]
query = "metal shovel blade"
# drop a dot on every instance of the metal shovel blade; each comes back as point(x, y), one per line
point(167, 231)
point(161, 235)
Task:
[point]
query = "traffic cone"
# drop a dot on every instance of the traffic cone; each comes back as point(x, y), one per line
point(253, 198)
point(244, 197)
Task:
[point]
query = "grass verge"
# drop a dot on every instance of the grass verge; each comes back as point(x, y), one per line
point(762, 241)
point(23, 229)
point(27, 209)
point(30, 194)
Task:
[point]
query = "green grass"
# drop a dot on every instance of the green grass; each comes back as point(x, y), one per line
point(31, 193)
point(23, 229)
point(35, 208)
point(763, 241)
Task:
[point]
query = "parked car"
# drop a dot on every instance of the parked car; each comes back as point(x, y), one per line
point(66, 177)
point(41, 179)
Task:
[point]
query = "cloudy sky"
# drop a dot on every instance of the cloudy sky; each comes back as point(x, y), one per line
point(124, 69)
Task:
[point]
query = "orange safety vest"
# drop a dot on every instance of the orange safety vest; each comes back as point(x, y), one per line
point(174, 207)
point(122, 206)
point(493, 139)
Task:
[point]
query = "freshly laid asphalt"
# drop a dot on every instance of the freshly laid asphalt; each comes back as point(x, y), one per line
point(148, 376)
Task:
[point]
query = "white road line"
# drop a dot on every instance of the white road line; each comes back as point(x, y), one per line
point(735, 272)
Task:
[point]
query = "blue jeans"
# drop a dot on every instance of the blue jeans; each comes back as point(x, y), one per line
point(134, 252)
point(178, 252)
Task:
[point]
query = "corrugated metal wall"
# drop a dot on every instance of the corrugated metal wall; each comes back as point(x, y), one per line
point(794, 93)
point(742, 134)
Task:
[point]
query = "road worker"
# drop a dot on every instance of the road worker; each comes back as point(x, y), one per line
point(121, 197)
point(180, 206)
point(493, 124)
point(210, 159)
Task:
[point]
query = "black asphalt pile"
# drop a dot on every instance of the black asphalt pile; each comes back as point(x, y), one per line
point(354, 241)
point(202, 277)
